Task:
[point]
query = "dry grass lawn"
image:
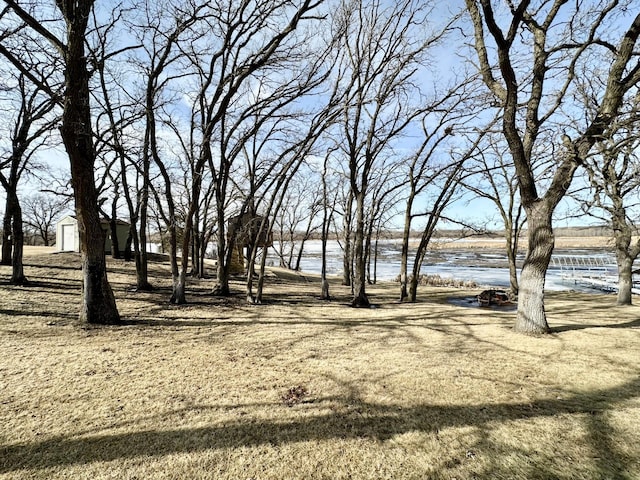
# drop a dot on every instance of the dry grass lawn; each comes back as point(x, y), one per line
point(303, 389)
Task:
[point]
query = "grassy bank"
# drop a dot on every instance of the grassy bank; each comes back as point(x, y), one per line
point(304, 389)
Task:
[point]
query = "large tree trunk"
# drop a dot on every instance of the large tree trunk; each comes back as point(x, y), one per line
point(98, 301)
point(625, 252)
point(7, 241)
point(625, 278)
point(17, 271)
point(531, 317)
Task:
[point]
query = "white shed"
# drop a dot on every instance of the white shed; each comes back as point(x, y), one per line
point(68, 240)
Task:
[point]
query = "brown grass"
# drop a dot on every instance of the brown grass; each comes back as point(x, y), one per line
point(303, 389)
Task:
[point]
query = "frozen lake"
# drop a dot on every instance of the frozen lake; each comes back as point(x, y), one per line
point(485, 267)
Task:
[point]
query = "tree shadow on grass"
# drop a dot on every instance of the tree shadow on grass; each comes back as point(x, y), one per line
point(568, 328)
point(354, 420)
point(40, 313)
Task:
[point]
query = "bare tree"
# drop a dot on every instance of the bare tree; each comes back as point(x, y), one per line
point(493, 178)
point(32, 119)
point(116, 115)
point(98, 301)
point(41, 211)
point(329, 193)
point(441, 182)
point(162, 29)
point(611, 194)
point(250, 45)
point(430, 167)
point(383, 49)
point(296, 221)
point(558, 36)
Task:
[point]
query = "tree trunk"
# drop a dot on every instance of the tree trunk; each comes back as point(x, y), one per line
point(404, 255)
point(222, 268)
point(359, 284)
point(127, 246)
point(17, 271)
point(511, 258)
point(625, 277)
point(261, 276)
point(7, 240)
point(347, 259)
point(115, 247)
point(140, 250)
point(326, 222)
point(98, 301)
point(178, 295)
point(173, 257)
point(531, 317)
point(415, 273)
point(251, 270)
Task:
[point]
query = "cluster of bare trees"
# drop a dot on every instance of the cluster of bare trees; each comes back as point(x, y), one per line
point(325, 118)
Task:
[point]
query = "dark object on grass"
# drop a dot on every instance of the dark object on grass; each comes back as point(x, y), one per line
point(294, 396)
point(493, 297)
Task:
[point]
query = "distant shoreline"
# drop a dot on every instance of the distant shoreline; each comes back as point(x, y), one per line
point(484, 243)
point(469, 243)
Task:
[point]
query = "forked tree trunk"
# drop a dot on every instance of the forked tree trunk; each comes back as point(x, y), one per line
point(360, 298)
point(98, 301)
point(531, 317)
point(178, 294)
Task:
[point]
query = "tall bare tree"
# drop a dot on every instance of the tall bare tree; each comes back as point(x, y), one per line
point(41, 212)
point(612, 187)
point(296, 221)
point(32, 118)
point(251, 44)
point(383, 47)
point(98, 301)
point(533, 92)
point(429, 166)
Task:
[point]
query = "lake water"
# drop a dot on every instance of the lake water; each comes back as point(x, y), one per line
point(485, 267)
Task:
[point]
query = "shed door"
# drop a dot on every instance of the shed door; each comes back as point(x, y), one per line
point(68, 238)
